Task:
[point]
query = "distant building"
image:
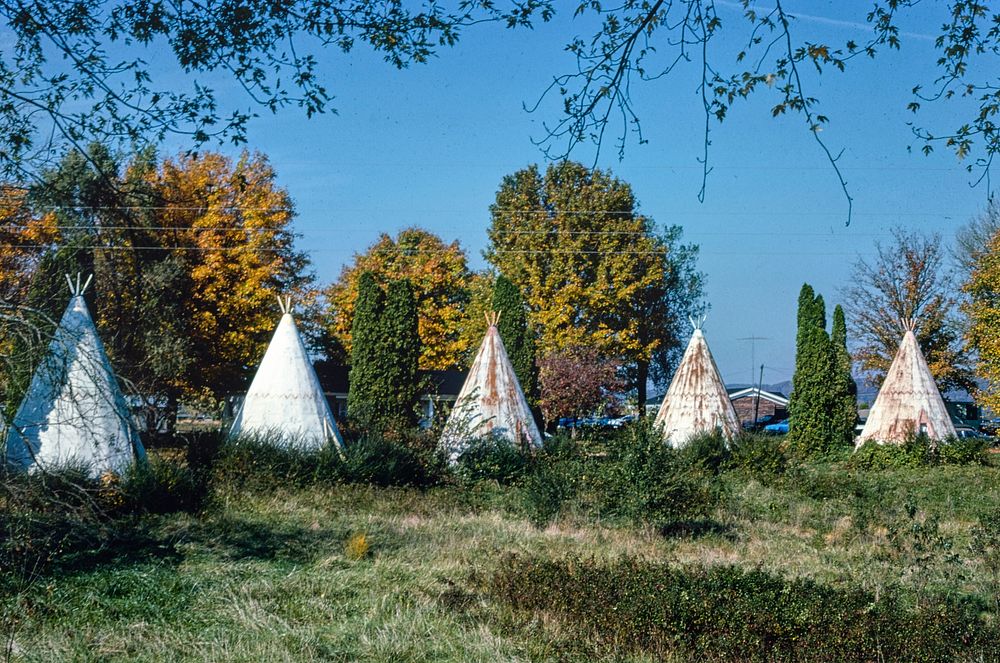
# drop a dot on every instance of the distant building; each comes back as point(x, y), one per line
point(747, 400)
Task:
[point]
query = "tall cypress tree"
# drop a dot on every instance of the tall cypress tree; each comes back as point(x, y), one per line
point(365, 397)
point(844, 391)
point(401, 338)
point(810, 412)
point(517, 337)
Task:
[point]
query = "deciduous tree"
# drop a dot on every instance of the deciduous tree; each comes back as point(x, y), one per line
point(907, 280)
point(592, 268)
point(187, 256)
point(576, 382)
point(982, 307)
point(439, 276)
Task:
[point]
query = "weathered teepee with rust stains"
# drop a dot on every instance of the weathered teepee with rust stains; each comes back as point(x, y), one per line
point(285, 400)
point(491, 402)
point(909, 401)
point(697, 400)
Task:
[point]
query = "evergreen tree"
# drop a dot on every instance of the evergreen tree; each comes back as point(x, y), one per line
point(844, 391)
point(401, 341)
point(517, 337)
point(810, 412)
point(365, 397)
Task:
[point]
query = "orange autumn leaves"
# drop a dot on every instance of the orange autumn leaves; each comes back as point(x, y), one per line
point(223, 223)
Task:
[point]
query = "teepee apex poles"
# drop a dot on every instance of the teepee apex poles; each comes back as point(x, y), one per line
point(74, 288)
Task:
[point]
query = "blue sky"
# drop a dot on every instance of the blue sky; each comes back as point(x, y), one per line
point(429, 145)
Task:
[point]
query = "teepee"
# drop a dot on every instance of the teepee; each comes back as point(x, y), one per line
point(73, 413)
point(285, 398)
point(697, 401)
point(491, 402)
point(909, 401)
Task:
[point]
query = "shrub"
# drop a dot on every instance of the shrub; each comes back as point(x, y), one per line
point(728, 613)
point(375, 460)
point(158, 486)
point(491, 459)
point(915, 451)
point(920, 451)
point(649, 482)
point(705, 451)
point(963, 451)
point(543, 492)
point(760, 456)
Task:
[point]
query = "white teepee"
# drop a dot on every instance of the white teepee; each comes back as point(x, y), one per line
point(491, 401)
point(909, 401)
point(697, 401)
point(285, 398)
point(73, 413)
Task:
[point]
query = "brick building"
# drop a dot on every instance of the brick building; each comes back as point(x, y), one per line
point(771, 404)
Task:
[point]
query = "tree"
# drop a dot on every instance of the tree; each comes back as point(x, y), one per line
point(364, 396)
point(401, 338)
point(439, 276)
point(517, 337)
point(982, 307)
point(187, 257)
point(591, 267)
point(80, 71)
point(843, 389)
point(973, 239)
point(575, 382)
point(648, 41)
point(906, 281)
point(811, 419)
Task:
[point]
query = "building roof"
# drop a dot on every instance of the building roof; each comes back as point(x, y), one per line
point(774, 397)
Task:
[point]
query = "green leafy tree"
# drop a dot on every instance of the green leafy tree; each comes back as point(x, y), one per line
point(517, 337)
point(811, 421)
point(401, 340)
point(365, 395)
point(843, 389)
point(592, 269)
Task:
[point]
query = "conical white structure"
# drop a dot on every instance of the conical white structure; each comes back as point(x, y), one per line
point(697, 400)
point(73, 413)
point(491, 401)
point(285, 398)
point(909, 401)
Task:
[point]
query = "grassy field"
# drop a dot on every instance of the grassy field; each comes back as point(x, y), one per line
point(340, 572)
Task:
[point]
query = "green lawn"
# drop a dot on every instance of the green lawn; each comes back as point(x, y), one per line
point(264, 575)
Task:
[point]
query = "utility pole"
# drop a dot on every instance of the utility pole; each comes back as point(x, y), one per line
point(753, 347)
point(756, 404)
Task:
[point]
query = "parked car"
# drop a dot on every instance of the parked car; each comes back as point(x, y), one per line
point(761, 422)
point(777, 428)
point(965, 433)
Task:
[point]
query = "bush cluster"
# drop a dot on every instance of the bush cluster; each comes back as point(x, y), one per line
point(920, 451)
point(732, 614)
point(261, 462)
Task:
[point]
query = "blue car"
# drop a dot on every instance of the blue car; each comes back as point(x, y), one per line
point(779, 428)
